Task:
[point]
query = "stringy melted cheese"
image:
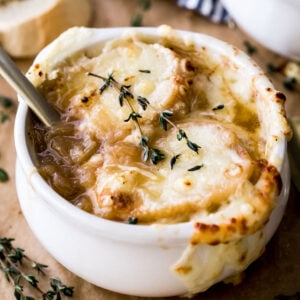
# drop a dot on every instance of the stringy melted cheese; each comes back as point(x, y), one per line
point(228, 187)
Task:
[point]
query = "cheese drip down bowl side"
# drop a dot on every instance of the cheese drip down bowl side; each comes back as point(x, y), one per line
point(154, 260)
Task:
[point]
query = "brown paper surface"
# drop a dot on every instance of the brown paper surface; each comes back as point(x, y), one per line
point(276, 272)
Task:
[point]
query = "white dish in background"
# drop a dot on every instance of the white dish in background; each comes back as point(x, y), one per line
point(273, 23)
point(133, 259)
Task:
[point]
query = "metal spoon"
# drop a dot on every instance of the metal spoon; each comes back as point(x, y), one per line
point(12, 74)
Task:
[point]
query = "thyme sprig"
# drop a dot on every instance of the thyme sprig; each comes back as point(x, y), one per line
point(13, 261)
point(155, 155)
point(181, 134)
point(125, 95)
point(164, 120)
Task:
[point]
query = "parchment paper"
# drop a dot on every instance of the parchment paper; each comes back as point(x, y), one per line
point(276, 272)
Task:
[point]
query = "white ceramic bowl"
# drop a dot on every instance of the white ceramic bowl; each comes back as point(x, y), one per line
point(273, 23)
point(129, 259)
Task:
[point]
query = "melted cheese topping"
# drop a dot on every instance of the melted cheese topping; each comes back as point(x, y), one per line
point(228, 185)
point(170, 194)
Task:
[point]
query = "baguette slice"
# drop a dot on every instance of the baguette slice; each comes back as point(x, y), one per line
point(27, 26)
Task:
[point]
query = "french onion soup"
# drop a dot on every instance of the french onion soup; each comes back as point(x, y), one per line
point(159, 130)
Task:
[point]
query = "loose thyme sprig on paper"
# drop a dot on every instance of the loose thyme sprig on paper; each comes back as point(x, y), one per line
point(125, 95)
point(12, 263)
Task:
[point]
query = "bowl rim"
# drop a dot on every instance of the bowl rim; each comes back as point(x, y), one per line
point(138, 234)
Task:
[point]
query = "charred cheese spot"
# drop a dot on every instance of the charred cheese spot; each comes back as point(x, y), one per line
point(253, 210)
point(280, 96)
point(116, 205)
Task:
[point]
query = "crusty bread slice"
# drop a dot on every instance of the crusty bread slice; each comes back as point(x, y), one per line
point(27, 26)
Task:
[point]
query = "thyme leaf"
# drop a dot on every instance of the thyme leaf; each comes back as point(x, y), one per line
point(124, 93)
point(249, 47)
point(107, 83)
point(181, 135)
point(18, 288)
point(145, 71)
point(173, 161)
point(31, 280)
point(195, 168)
point(39, 267)
point(271, 68)
point(3, 177)
point(132, 220)
point(58, 287)
point(4, 117)
point(218, 107)
point(163, 118)
point(145, 4)
point(6, 102)
point(144, 141)
point(290, 83)
point(156, 156)
point(5, 244)
point(136, 20)
point(193, 146)
point(133, 116)
point(17, 255)
point(143, 102)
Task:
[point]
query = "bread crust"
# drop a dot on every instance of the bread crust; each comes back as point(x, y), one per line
point(27, 37)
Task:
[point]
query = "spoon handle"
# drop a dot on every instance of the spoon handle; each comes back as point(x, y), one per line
point(12, 74)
